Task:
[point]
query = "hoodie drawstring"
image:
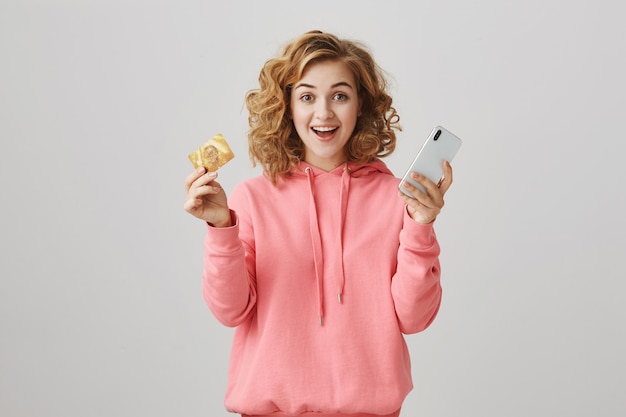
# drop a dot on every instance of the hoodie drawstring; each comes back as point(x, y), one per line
point(343, 198)
point(318, 257)
point(317, 245)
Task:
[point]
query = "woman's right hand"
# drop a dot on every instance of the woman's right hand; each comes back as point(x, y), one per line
point(205, 198)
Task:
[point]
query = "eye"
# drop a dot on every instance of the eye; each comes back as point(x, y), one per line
point(307, 98)
point(340, 97)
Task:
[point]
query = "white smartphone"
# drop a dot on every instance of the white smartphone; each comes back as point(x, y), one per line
point(440, 146)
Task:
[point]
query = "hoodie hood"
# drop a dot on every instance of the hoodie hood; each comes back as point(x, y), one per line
point(354, 169)
point(346, 172)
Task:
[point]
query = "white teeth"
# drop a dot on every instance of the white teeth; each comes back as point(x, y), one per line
point(323, 129)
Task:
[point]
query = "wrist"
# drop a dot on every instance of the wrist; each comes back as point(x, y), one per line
point(226, 221)
point(219, 225)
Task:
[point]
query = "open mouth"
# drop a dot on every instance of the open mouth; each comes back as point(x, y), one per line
point(324, 132)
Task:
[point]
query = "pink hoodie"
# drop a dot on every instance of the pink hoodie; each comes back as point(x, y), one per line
point(322, 274)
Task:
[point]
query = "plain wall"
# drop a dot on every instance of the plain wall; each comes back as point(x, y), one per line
point(101, 311)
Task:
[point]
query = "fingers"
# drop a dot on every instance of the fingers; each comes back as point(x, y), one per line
point(431, 198)
point(206, 199)
point(434, 191)
point(426, 206)
point(199, 184)
point(191, 204)
point(199, 178)
point(446, 182)
point(191, 178)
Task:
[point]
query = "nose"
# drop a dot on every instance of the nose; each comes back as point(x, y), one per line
point(324, 110)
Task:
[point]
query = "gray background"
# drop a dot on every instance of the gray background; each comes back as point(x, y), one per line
point(101, 312)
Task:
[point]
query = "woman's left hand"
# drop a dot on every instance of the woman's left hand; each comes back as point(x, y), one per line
point(425, 207)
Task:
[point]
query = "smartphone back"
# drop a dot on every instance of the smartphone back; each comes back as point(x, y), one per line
point(441, 145)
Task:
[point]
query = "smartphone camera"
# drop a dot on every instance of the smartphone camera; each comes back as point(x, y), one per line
point(437, 134)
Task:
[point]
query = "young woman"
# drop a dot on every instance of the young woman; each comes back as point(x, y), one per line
point(320, 263)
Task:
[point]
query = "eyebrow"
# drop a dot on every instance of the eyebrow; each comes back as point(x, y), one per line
point(339, 84)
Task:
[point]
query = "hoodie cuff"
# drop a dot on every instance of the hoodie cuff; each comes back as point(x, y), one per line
point(225, 238)
point(418, 234)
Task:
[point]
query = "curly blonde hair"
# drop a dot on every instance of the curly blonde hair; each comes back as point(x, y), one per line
point(272, 138)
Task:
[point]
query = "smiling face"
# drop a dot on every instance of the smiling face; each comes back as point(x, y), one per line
point(325, 107)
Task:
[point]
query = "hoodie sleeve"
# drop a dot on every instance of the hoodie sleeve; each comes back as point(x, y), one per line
point(228, 288)
point(416, 287)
